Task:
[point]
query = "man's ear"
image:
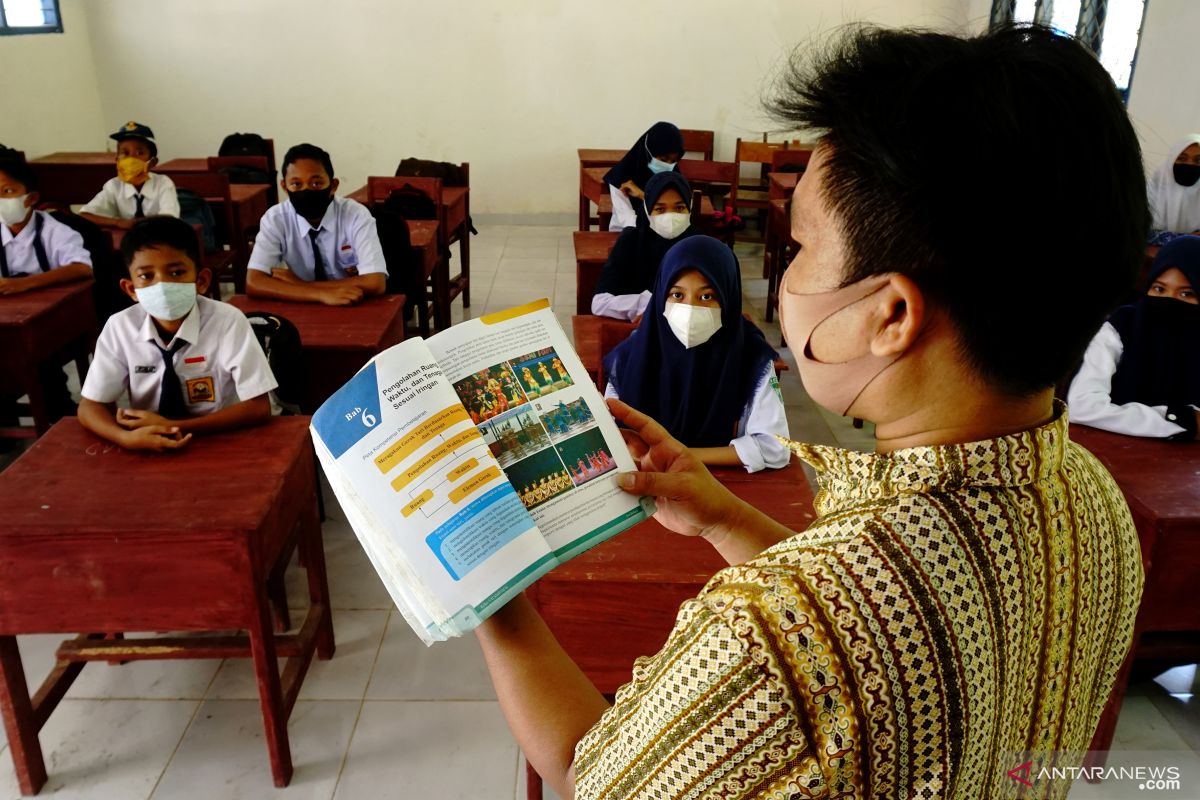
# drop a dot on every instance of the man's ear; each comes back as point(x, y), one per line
point(127, 288)
point(283, 186)
point(333, 184)
point(152, 163)
point(897, 317)
point(32, 199)
point(203, 279)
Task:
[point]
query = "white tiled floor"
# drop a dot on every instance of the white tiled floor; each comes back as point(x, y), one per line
point(387, 717)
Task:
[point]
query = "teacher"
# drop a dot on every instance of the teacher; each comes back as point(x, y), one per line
point(966, 596)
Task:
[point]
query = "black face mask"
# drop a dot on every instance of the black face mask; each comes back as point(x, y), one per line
point(311, 203)
point(1187, 174)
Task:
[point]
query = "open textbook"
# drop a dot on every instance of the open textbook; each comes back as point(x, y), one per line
point(473, 462)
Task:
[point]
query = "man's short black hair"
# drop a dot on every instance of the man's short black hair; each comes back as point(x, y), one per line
point(20, 171)
point(160, 231)
point(309, 151)
point(999, 172)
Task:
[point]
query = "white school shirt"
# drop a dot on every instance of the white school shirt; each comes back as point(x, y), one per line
point(623, 215)
point(348, 241)
point(63, 246)
point(1090, 400)
point(763, 418)
point(116, 198)
point(221, 364)
point(621, 306)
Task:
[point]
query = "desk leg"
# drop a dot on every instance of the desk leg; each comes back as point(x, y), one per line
point(312, 554)
point(441, 293)
point(270, 696)
point(464, 250)
point(19, 722)
point(585, 211)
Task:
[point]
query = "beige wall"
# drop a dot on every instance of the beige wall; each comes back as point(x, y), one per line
point(50, 100)
point(512, 87)
point(1164, 100)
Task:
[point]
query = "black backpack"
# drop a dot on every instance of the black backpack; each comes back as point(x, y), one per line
point(281, 342)
point(451, 175)
point(246, 144)
point(107, 266)
point(195, 210)
point(404, 273)
point(411, 203)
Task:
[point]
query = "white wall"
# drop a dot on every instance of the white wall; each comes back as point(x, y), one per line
point(514, 88)
point(50, 100)
point(1164, 98)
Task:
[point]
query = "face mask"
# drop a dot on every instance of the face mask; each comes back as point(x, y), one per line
point(1187, 174)
point(692, 325)
point(657, 166)
point(130, 168)
point(834, 386)
point(311, 203)
point(670, 225)
point(13, 210)
point(167, 301)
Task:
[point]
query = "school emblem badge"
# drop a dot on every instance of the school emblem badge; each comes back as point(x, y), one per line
point(201, 390)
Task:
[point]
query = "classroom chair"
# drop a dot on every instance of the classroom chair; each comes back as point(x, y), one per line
point(214, 188)
point(752, 190)
point(718, 181)
point(698, 141)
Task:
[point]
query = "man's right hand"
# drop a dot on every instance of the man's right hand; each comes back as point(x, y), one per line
point(155, 438)
point(340, 294)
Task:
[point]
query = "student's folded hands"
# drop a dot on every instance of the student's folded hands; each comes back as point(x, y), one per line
point(146, 430)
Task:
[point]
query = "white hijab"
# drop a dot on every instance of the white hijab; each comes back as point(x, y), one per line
point(1175, 208)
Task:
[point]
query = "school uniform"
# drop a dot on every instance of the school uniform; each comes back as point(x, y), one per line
point(42, 245)
point(1173, 206)
point(120, 200)
point(218, 361)
point(346, 241)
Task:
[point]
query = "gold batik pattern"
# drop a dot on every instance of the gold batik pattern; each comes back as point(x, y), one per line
point(953, 612)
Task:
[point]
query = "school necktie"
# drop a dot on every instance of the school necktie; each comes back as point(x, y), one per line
point(139, 213)
point(170, 398)
point(318, 262)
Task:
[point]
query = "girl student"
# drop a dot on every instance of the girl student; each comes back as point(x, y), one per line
point(657, 150)
point(697, 365)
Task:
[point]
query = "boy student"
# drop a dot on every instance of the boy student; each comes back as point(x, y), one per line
point(189, 364)
point(136, 192)
point(36, 250)
point(316, 247)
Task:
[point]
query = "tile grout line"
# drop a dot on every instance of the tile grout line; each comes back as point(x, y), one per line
point(361, 704)
point(186, 728)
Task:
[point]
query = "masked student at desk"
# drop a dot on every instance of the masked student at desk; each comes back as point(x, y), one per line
point(188, 364)
point(1174, 190)
point(1141, 373)
point(136, 192)
point(36, 250)
point(623, 291)
point(315, 247)
point(700, 367)
point(657, 150)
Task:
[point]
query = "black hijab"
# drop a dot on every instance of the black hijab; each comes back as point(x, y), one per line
point(1160, 337)
point(633, 263)
point(697, 393)
point(661, 139)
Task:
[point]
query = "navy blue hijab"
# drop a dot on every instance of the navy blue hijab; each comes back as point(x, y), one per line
point(697, 393)
point(661, 139)
point(632, 264)
point(1160, 337)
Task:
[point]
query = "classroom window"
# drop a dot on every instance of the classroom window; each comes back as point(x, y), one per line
point(1112, 29)
point(29, 16)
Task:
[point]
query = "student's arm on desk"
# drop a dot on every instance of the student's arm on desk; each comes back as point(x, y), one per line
point(690, 500)
point(332, 293)
point(63, 274)
point(254, 411)
point(108, 222)
point(100, 419)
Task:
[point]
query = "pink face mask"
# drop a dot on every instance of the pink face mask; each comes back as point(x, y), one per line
point(833, 385)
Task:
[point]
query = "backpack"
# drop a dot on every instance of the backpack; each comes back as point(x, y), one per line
point(246, 144)
point(451, 175)
point(411, 203)
point(194, 210)
point(280, 341)
point(107, 266)
point(404, 274)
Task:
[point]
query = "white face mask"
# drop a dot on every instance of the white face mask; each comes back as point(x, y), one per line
point(168, 301)
point(13, 210)
point(656, 166)
point(670, 225)
point(692, 325)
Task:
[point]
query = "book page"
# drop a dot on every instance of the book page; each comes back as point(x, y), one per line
point(542, 419)
point(436, 515)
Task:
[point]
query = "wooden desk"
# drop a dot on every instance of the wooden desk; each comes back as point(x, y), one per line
point(337, 341)
point(184, 165)
point(593, 189)
point(591, 253)
point(778, 249)
point(55, 323)
point(619, 600)
point(599, 157)
point(1161, 483)
point(73, 178)
point(79, 557)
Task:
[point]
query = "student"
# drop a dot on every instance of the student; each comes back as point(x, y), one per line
point(36, 251)
point(699, 366)
point(657, 150)
point(136, 192)
point(1141, 373)
point(623, 290)
point(189, 364)
point(1174, 188)
point(315, 247)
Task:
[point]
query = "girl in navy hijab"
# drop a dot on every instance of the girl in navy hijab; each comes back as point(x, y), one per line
point(623, 291)
point(657, 150)
point(1141, 373)
point(699, 367)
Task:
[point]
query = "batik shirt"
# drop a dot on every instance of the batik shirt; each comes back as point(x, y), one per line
point(954, 612)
